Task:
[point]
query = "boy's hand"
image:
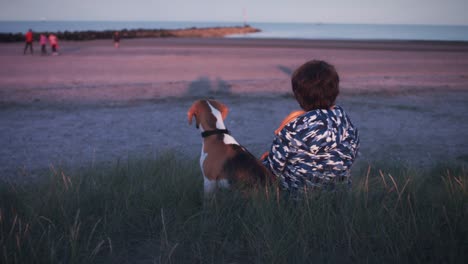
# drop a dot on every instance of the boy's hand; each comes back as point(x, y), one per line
point(293, 115)
point(264, 155)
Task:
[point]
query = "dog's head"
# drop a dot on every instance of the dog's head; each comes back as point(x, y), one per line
point(205, 113)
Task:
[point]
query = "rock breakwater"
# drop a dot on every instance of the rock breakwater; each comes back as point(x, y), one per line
point(138, 33)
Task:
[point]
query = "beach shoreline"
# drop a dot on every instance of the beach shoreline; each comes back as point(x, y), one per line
point(246, 41)
point(96, 103)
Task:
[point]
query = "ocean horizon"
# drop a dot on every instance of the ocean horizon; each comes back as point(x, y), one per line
point(268, 30)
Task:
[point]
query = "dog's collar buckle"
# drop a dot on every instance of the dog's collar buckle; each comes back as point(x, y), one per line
point(214, 132)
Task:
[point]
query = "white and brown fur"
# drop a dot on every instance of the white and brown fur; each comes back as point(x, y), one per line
point(223, 161)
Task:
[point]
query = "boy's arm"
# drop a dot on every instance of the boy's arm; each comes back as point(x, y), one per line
point(275, 160)
point(293, 115)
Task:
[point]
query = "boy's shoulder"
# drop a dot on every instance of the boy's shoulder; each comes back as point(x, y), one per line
point(319, 115)
point(315, 119)
point(307, 121)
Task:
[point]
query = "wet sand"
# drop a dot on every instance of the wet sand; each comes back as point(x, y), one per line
point(95, 103)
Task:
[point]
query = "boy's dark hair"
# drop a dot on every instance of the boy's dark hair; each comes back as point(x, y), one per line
point(315, 85)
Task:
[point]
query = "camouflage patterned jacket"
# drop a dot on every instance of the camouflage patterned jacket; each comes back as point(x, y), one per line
point(315, 150)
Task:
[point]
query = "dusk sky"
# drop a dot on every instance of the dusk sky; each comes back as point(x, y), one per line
point(435, 12)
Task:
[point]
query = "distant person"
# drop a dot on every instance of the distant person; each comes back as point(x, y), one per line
point(29, 41)
point(54, 44)
point(116, 38)
point(43, 42)
point(316, 149)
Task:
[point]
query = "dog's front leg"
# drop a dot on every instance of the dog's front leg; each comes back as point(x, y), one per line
point(208, 185)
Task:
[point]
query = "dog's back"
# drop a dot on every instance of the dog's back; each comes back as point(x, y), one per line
point(244, 170)
point(224, 162)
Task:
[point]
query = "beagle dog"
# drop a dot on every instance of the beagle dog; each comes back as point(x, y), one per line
point(223, 161)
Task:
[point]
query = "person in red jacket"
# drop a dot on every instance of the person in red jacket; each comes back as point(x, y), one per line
point(29, 41)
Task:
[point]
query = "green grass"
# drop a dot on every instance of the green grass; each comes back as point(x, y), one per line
point(152, 211)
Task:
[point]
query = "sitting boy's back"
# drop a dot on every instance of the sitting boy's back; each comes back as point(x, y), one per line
point(318, 148)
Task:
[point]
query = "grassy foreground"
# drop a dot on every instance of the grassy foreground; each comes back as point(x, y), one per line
point(152, 212)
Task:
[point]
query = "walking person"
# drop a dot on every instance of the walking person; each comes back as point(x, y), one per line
point(29, 42)
point(53, 43)
point(116, 38)
point(43, 42)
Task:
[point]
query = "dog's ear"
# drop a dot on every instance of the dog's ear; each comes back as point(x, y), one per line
point(221, 107)
point(193, 112)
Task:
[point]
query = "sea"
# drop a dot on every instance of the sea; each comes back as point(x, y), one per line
point(268, 30)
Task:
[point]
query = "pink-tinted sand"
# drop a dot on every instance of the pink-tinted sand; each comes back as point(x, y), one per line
point(157, 68)
point(96, 103)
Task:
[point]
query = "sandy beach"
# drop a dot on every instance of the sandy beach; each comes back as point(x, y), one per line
point(95, 103)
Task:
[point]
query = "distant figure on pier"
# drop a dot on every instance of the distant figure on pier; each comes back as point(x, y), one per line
point(53, 43)
point(116, 38)
point(29, 41)
point(43, 42)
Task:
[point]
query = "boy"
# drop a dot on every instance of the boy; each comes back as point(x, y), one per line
point(316, 149)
